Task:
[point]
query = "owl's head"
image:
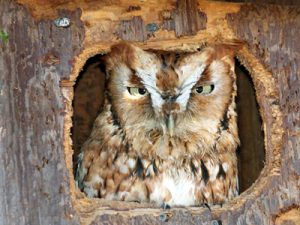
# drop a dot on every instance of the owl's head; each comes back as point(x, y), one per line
point(177, 93)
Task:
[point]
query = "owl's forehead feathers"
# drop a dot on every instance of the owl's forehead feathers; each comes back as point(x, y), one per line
point(136, 57)
point(132, 56)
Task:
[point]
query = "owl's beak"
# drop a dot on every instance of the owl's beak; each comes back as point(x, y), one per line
point(170, 109)
point(170, 125)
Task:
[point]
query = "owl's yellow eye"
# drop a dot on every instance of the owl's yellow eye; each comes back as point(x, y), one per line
point(205, 89)
point(135, 91)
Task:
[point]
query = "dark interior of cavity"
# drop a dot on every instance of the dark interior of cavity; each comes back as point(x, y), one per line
point(251, 153)
point(88, 101)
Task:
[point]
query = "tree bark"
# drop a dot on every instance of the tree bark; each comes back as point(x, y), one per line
point(40, 63)
point(34, 180)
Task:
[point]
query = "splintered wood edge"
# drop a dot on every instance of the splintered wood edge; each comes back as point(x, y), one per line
point(267, 96)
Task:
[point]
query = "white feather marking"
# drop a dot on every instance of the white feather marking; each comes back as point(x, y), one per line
point(103, 155)
point(111, 196)
point(149, 171)
point(131, 163)
point(96, 179)
point(90, 192)
point(147, 72)
point(157, 195)
point(122, 195)
point(150, 84)
point(181, 190)
point(206, 194)
point(124, 169)
point(225, 166)
point(188, 84)
point(213, 170)
point(145, 163)
point(196, 163)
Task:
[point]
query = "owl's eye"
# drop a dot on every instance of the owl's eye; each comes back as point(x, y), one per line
point(135, 91)
point(205, 89)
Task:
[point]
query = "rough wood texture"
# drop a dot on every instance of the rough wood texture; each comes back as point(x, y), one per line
point(34, 180)
point(36, 177)
point(272, 38)
point(271, 33)
point(278, 2)
point(186, 19)
point(132, 30)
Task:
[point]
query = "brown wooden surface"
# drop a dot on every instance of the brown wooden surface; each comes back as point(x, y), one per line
point(271, 32)
point(38, 67)
point(278, 2)
point(34, 180)
point(188, 19)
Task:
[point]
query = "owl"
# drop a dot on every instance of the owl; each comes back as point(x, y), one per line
point(167, 133)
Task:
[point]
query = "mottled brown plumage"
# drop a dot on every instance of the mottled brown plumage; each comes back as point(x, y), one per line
point(167, 133)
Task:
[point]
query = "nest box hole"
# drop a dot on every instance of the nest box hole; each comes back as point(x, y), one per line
point(88, 101)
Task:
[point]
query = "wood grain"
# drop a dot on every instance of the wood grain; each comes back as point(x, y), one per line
point(34, 180)
point(40, 63)
point(186, 19)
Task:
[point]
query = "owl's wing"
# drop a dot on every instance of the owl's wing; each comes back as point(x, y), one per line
point(83, 164)
point(89, 161)
point(89, 151)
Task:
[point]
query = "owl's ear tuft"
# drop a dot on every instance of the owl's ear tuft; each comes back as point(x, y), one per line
point(228, 49)
point(122, 52)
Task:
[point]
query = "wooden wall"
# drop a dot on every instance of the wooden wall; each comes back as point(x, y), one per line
point(34, 180)
point(40, 62)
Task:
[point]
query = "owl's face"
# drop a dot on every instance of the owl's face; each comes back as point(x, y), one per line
point(177, 94)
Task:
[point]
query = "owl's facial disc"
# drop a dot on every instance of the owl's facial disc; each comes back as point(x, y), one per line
point(169, 86)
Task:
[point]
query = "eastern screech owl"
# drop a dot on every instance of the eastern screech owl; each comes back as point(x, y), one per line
point(168, 132)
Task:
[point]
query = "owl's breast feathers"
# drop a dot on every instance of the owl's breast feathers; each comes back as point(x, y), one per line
point(152, 168)
point(131, 156)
